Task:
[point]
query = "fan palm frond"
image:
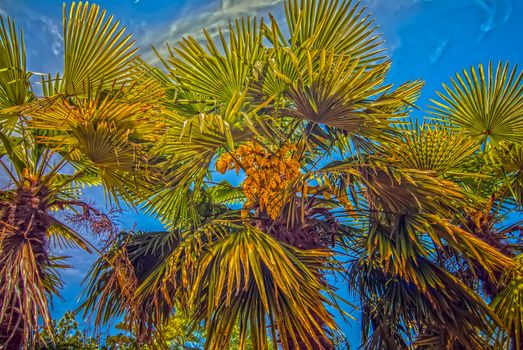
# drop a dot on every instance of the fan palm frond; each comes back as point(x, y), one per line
point(431, 147)
point(15, 89)
point(96, 49)
point(336, 91)
point(508, 305)
point(14, 78)
point(487, 106)
point(102, 129)
point(507, 157)
point(250, 278)
point(338, 26)
point(220, 77)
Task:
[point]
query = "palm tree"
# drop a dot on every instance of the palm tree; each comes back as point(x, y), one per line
point(322, 175)
point(487, 106)
point(84, 130)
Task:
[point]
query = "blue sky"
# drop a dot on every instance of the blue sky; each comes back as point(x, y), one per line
point(427, 39)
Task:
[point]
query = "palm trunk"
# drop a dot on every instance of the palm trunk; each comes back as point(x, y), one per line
point(9, 337)
point(23, 225)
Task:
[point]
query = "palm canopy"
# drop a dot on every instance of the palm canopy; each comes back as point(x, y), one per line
point(85, 130)
point(332, 180)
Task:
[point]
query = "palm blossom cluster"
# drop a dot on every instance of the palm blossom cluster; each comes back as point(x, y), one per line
point(287, 173)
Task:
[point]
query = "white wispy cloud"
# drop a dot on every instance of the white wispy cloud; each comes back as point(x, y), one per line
point(43, 34)
point(54, 32)
point(194, 20)
point(390, 14)
point(496, 12)
point(391, 6)
point(439, 51)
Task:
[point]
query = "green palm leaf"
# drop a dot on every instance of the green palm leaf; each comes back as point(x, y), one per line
point(431, 147)
point(508, 304)
point(15, 88)
point(507, 157)
point(339, 92)
point(487, 106)
point(103, 130)
point(96, 49)
point(14, 79)
point(225, 193)
point(251, 279)
point(336, 26)
point(221, 77)
point(64, 236)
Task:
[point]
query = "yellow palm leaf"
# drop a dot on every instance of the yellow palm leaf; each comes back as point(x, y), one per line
point(96, 49)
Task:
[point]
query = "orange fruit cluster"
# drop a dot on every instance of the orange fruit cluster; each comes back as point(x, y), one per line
point(267, 174)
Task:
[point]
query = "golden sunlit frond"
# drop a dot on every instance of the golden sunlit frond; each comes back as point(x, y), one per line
point(485, 104)
point(96, 49)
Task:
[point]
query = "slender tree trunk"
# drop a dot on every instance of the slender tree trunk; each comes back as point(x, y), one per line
point(9, 337)
point(24, 221)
